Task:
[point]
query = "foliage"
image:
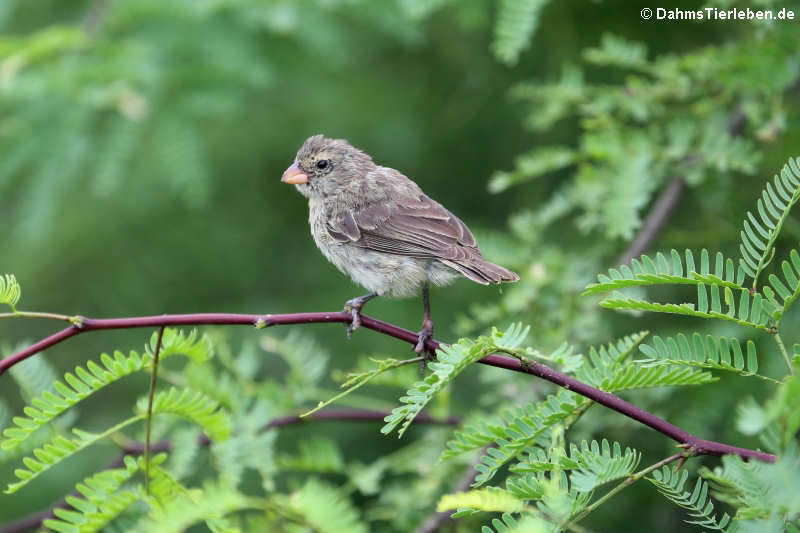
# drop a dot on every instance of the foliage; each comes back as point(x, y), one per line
point(10, 291)
point(758, 237)
point(450, 361)
point(102, 500)
point(696, 502)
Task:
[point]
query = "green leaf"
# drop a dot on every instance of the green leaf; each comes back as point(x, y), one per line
point(10, 291)
point(451, 360)
point(101, 501)
point(593, 463)
point(326, 509)
point(178, 509)
point(515, 25)
point(87, 380)
point(718, 353)
point(784, 292)
point(536, 163)
point(59, 449)
point(524, 428)
point(487, 499)
point(645, 271)
point(760, 233)
point(194, 406)
point(758, 319)
point(600, 464)
point(697, 503)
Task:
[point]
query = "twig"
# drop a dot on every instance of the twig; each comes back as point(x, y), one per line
point(697, 445)
point(342, 415)
point(149, 420)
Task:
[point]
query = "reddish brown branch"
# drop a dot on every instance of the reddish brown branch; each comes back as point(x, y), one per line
point(697, 445)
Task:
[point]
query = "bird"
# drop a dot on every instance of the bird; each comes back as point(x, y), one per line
point(379, 228)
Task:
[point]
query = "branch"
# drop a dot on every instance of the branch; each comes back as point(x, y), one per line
point(692, 443)
point(341, 415)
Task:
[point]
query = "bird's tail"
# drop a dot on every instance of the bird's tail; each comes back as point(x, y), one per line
point(482, 271)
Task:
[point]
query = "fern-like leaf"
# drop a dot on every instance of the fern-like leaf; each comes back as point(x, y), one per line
point(782, 293)
point(618, 52)
point(451, 360)
point(101, 501)
point(314, 455)
point(752, 311)
point(552, 493)
point(697, 503)
point(526, 427)
point(671, 271)
point(34, 376)
point(515, 25)
point(326, 509)
point(602, 463)
point(605, 370)
point(508, 523)
point(75, 387)
point(536, 163)
point(718, 353)
point(179, 511)
point(194, 406)
point(487, 499)
point(10, 291)
point(87, 380)
point(759, 234)
point(59, 449)
point(593, 463)
point(472, 437)
point(603, 363)
point(175, 341)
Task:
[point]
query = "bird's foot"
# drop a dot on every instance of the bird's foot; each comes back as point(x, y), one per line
point(354, 308)
point(424, 334)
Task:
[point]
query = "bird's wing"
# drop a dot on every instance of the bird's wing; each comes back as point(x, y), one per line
point(416, 226)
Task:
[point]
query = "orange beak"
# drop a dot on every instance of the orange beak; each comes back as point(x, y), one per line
point(294, 176)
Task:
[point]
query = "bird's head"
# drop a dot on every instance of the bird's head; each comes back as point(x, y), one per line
point(324, 167)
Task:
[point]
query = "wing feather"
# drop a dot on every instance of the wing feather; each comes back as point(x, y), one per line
point(419, 227)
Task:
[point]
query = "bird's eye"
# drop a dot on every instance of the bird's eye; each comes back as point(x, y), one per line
point(322, 163)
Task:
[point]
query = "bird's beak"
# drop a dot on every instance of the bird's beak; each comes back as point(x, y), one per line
point(294, 175)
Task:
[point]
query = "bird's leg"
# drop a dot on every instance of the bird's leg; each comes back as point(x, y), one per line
point(427, 324)
point(354, 308)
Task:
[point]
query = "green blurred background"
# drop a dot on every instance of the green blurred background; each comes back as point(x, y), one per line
point(142, 143)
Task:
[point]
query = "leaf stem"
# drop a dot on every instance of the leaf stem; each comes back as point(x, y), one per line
point(37, 314)
point(149, 419)
point(363, 380)
point(630, 480)
point(784, 353)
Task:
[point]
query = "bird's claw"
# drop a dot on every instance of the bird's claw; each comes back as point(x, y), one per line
point(354, 308)
point(355, 323)
point(425, 333)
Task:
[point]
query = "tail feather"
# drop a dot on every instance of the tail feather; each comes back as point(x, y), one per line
point(482, 271)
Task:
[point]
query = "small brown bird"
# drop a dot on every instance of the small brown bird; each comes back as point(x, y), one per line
point(379, 228)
